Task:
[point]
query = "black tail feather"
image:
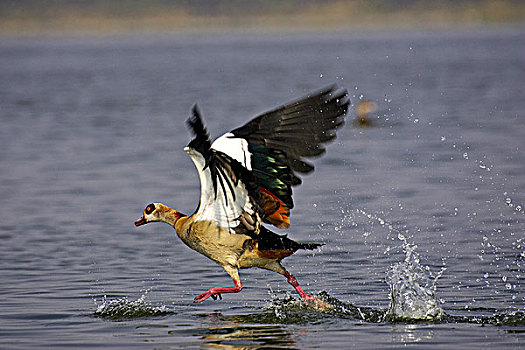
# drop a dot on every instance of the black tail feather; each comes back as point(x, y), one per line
point(311, 246)
point(269, 240)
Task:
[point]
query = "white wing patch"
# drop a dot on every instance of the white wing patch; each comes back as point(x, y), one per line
point(235, 147)
point(221, 208)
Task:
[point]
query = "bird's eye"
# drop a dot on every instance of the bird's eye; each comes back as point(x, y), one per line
point(150, 208)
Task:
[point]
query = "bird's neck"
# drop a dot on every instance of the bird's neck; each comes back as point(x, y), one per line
point(171, 216)
point(176, 220)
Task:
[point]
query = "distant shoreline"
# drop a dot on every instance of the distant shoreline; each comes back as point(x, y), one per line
point(319, 17)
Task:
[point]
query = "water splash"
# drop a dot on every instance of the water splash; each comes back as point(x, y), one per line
point(124, 308)
point(293, 310)
point(413, 289)
point(412, 285)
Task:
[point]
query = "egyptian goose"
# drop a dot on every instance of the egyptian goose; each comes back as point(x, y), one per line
point(246, 179)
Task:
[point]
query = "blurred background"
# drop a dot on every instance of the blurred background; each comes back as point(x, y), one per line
point(26, 17)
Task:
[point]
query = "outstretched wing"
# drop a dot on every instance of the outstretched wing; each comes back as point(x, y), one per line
point(229, 193)
point(274, 145)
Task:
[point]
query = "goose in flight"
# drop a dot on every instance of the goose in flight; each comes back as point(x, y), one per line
point(246, 177)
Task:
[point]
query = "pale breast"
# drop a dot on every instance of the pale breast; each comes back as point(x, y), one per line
point(217, 243)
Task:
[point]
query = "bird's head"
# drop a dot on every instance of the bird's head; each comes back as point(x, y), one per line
point(155, 212)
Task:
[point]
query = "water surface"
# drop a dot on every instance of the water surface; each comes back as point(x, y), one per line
point(93, 130)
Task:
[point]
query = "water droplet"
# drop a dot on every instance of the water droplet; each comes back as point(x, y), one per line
point(508, 286)
point(465, 155)
point(504, 278)
point(443, 138)
point(320, 75)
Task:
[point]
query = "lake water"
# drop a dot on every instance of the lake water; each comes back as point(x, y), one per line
point(422, 214)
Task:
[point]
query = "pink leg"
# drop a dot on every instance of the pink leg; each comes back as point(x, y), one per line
point(216, 292)
point(295, 284)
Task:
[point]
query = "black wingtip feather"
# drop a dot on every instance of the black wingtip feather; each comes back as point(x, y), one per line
point(299, 130)
point(201, 141)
